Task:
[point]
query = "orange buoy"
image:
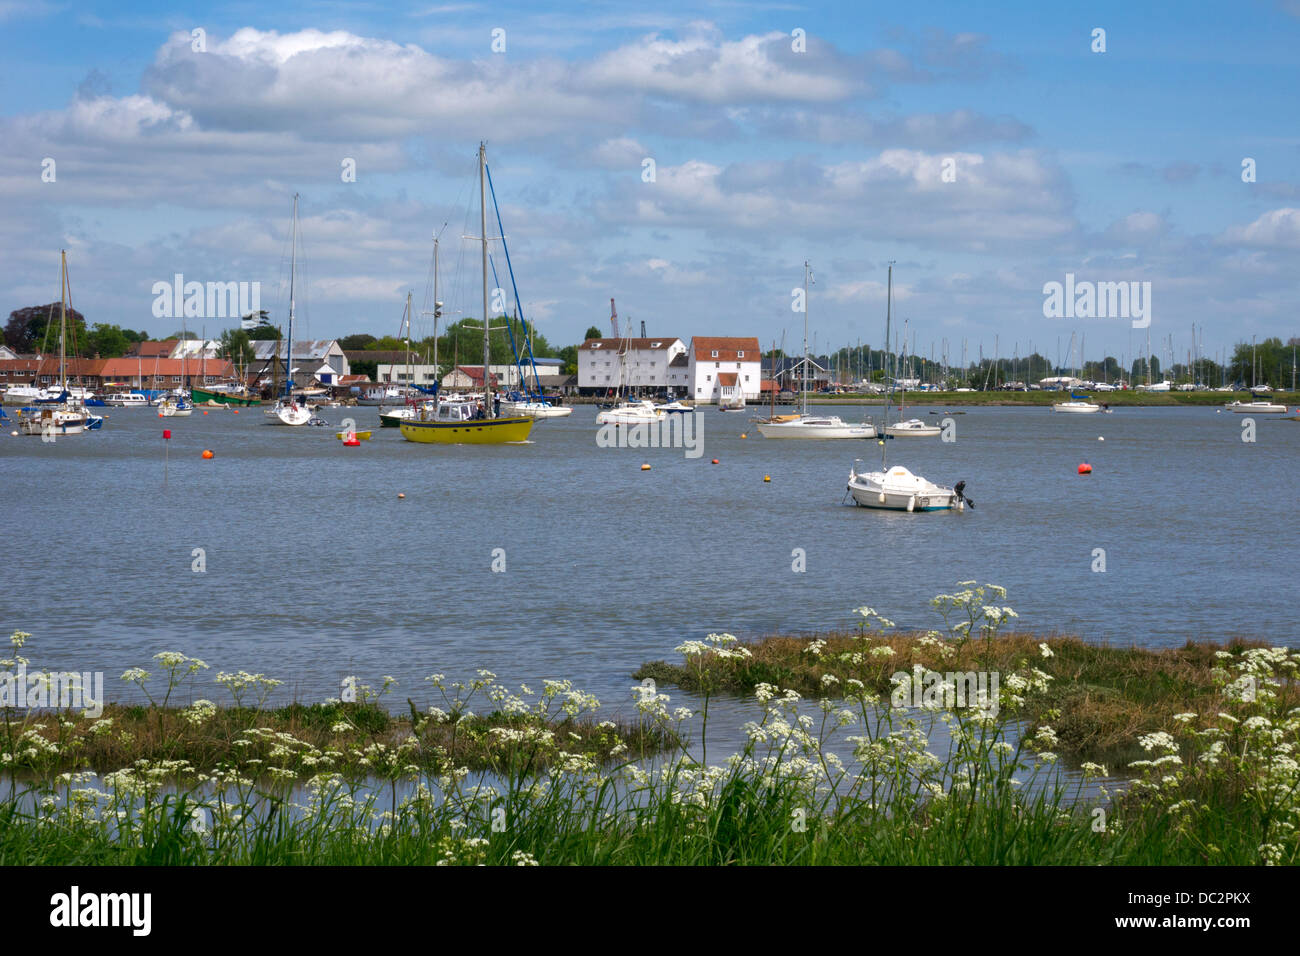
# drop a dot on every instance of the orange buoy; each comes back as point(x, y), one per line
point(715, 461)
point(767, 477)
point(236, 411)
point(401, 495)
point(160, 414)
point(743, 435)
point(207, 453)
point(1085, 469)
point(645, 467)
point(205, 411)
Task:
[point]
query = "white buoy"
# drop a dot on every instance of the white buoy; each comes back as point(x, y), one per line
point(1100, 438)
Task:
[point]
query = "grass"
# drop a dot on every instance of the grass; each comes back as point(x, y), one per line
point(1131, 397)
point(1101, 698)
point(1215, 784)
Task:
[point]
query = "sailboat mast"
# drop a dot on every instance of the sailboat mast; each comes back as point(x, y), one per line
point(803, 405)
point(482, 195)
point(63, 318)
point(293, 268)
point(437, 307)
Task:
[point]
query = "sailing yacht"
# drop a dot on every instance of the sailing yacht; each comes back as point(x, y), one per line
point(804, 425)
point(64, 417)
point(289, 410)
point(466, 423)
point(897, 488)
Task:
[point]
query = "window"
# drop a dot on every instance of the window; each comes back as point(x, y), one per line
point(713, 354)
point(746, 378)
point(708, 378)
point(595, 345)
point(655, 345)
point(717, 364)
point(740, 354)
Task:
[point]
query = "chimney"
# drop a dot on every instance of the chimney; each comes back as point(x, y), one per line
point(643, 328)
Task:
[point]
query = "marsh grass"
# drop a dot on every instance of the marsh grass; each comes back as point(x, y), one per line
point(1101, 698)
point(1214, 785)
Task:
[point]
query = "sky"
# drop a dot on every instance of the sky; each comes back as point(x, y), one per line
point(987, 150)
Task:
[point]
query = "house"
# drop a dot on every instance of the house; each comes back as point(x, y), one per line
point(314, 360)
point(713, 357)
point(404, 374)
point(466, 378)
point(165, 373)
point(638, 365)
point(7, 353)
point(789, 371)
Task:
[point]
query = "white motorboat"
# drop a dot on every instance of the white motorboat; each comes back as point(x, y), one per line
point(899, 490)
point(176, 408)
point(393, 417)
point(127, 400)
point(814, 426)
point(630, 413)
point(679, 408)
point(1262, 408)
point(55, 420)
point(536, 409)
point(1076, 407)
point(912, 428)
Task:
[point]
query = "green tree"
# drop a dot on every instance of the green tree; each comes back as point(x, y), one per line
point(355, 343)
point(107, 341)
point(592, 333)
point(237, 347)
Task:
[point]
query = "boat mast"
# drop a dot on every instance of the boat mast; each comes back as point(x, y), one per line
point(437, 309)
point(803, 392)
point(293, 268)
point(63, 319)
point(482, 194)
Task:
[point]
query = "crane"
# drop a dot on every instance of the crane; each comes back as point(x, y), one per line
point(613, 317)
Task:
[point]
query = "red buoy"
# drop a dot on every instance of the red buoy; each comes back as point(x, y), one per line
point(1085, 469)
point(167, 433)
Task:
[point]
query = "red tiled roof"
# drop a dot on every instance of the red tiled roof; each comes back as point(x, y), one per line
point(131, 367)
point(727, 378)
point(727, 347)
point(151, 349)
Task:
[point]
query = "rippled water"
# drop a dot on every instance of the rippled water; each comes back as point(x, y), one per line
point(316, 569)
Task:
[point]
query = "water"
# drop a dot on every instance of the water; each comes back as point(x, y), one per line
point(315, 569)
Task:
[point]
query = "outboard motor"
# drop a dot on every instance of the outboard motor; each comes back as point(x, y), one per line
point(960, 490)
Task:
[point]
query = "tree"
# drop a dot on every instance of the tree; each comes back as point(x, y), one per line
point(265, 333)
point(237, 347)
point(592, 333)
point(36, 328)
point(569, 355)
point(107, 341)
point(355, 343)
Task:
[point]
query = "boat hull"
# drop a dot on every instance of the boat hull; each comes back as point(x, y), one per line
point(1076, 408)
point(1259, 408)
point(222, 398)
point(806, 431)
point(900, 490)
point(478, 431)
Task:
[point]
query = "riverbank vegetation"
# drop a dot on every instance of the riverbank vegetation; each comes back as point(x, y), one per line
point(865, 747)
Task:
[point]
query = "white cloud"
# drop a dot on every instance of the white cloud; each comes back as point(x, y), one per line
point(1278, 228)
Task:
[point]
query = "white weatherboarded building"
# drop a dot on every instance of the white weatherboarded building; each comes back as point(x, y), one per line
point(641, 365)
point(719, 365)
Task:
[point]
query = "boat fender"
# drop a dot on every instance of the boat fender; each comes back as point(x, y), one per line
point(911, 503)
point(881, 498)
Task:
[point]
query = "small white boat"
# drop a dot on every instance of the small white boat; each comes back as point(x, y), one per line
point(630, 413)
point(1262, 408)
point(912, 428)
point(536, 409)
point(173, 408)
point(382, 395)
point(127, 400)
point(55, 420)
point(679, 408)
point(814, 427)
point(1076, 407)
point(899, 490)
point(291, 412)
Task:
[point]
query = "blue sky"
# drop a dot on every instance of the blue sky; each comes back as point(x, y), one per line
point(1115, 166)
